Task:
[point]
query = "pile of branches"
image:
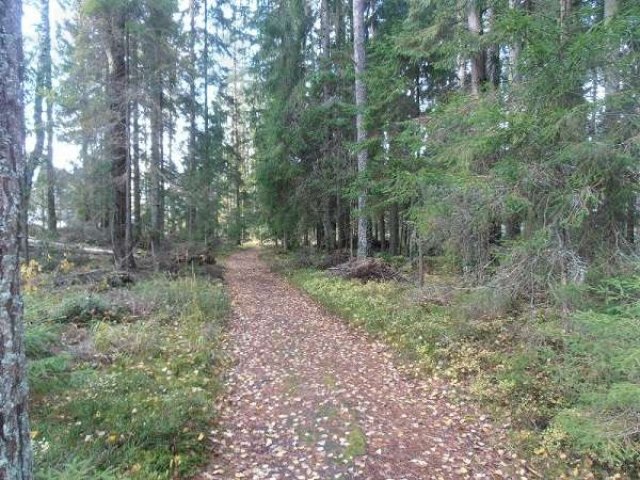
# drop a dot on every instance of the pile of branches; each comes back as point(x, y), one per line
point(201, 257)
point(366, 269)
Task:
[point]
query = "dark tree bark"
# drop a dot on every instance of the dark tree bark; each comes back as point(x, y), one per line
point(135, 141)
point(15, 445)
point(191, 166)
point(45, 44)
point(394, 241)
point(382, 231)
point(118, 134)
point(155, 170)
point(327, 224)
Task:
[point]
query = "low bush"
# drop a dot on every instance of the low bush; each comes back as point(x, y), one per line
point(85, 308)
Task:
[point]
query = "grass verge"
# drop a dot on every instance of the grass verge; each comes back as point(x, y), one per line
point(569, 386)
point(124, 382)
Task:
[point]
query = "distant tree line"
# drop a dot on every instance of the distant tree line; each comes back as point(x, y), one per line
point(144, 88)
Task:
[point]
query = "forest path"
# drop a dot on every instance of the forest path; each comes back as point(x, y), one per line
point(311, 398)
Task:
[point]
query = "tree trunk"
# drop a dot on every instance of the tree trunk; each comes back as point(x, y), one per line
point(191, 165)
point(514, 48)
point(344, 221)
point(16, 460)
point(394, 242)
point(118, 134)
point(630, 233)
point(135, 140)
point(513, 227)
point(205, 74)
point(478, 60)
point(493, 67)
point(382, 231)
point(361, 101)
point(154, 169)
point(36, 157)
point(52, 222)
point(130, 262)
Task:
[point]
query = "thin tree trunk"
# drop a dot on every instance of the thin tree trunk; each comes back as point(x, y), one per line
point(327, 224)
point(128, 242)
point(361, 100)
point(420, 264)
point(191, 166)
point(383, 231)
point(52, 222)
point(16, 459)
point(631, 221)
point(137, 203)
point(36, 157)
point(154, 169)
point(205, 55)
point(394, 242)
point(492, 55)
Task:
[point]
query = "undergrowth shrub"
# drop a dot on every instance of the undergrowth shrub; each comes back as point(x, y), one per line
point(48, 374)
point(84, 309)
point(40, 339)
point(76, 469)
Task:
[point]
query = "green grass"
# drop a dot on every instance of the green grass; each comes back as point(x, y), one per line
point(356, 444)
point(570, 386)
point(139, 401)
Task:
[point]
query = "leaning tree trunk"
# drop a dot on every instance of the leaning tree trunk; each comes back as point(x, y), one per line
point(15, 445)
point(361, 136)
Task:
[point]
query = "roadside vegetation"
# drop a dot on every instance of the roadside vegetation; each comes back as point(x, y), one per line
point(124, 381)
point(567, 382)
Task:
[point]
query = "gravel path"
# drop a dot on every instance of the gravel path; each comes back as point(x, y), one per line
point(311, 398)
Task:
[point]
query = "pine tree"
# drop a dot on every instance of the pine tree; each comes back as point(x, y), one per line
point(15, 445)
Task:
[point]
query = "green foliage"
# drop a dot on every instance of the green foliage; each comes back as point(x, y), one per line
point(75, 470)
point(570, 385)
point(84, 309)
point(40, 338)
point(138, 404)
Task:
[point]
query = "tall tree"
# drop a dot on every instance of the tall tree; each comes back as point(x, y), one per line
point(115, 19)
point(15, 444)
point(359, 55)
point(45, 45)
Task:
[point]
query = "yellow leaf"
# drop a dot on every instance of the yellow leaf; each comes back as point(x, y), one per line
point(34, 434)
point(201, 437)
point(112, 438)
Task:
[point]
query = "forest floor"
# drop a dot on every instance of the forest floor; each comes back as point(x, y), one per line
point(311, 397)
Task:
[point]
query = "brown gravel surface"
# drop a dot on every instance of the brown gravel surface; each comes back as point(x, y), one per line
point(312, 398)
